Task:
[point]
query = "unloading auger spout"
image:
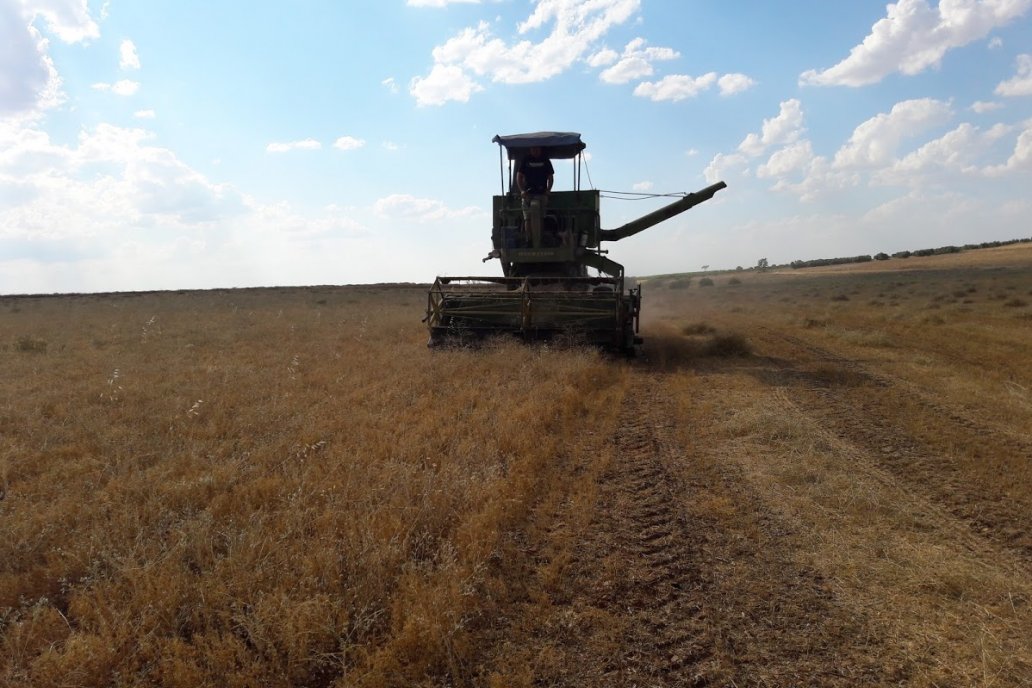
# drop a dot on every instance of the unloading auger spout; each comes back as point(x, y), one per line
point(665, 213)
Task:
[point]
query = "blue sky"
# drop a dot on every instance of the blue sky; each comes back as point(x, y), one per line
point(181, 144)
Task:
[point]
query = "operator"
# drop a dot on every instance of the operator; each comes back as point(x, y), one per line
point(534, 178)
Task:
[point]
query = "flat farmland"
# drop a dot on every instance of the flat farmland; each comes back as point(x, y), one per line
point(814, 477)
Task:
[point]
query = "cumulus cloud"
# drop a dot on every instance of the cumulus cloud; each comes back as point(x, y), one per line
point(1021, 83)
point(784, 128)
point(635, 62)
point(123, 87)
point(476, 53)
point(346, 143)
point(983, 106)
point(914, 36)
point(145, 114)
point(112, 178)
point(30, 83)
point(284, 147)
point(731, 84)
point(405, 206)
point(722, 164)
point(675, 87)
point(116, 210)
point(69, 20)
point(875, 141)
point(606, 56)
point(955, 151)
point(788, 160)
point(127, 57)
point(444, 83)
point(1020, 160)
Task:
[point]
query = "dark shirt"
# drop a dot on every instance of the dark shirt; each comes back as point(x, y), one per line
point(536, 172)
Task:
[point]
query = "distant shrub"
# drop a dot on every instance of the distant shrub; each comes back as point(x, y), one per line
point(881, 256)
point(681, 283)
point(697, 328)
point(706, 282)
point(734, 280)
point(840, 297)
point(1015, 303)
point(732, 344)
point(31, 345)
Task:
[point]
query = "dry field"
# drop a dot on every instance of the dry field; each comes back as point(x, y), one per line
point(819, 477)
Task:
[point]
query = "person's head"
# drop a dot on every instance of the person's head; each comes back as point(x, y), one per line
point(535, 151)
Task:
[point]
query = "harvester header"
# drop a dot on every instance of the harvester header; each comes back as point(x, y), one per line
point(547, 241)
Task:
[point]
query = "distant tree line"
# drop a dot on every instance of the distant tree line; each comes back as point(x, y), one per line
point(957, 249)
point(904, 254)
point(829, 261)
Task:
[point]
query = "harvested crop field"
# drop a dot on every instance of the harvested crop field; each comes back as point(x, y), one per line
point(817, 477)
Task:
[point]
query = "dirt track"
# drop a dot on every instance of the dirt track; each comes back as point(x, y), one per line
point(807, 538)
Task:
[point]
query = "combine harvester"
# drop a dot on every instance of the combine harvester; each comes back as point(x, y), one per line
point(545, 290)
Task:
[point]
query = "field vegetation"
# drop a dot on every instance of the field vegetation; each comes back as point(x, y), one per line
point(810, 477)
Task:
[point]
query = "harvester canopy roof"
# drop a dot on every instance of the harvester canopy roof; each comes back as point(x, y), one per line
point(556, 144)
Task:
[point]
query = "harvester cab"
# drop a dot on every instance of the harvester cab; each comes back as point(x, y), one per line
point(547, 246)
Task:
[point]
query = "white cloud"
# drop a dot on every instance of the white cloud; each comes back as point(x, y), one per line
point(390, 146)
point(722, 164)
point(955, 151)
point(444, 83)
point(29, 81)
point(116, 211)
point(635, 62)
point(642, 186)
point(914, 37)
point(69, 20)
point(788, 160)
point(145, 114)
point(123, 87)
point(874, 142)
point(304, 144)
point(1020, 160)
point(111, 180)
point(995, 42)
point(476, 53)
point(1021, 83)
point(346, 143)
point(404, 206)
point(390, 84)
point(983, 106)
point(128, 59)
point(675, 87)
point(731, 84)
point(786, 127)
point(606, 56)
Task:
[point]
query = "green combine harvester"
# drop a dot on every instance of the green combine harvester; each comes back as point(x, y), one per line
point(545, 290)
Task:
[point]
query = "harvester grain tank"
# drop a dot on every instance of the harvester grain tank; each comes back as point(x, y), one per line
point(545, 289)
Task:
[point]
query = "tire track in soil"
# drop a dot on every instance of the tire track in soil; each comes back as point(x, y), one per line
point(660, 591)
point(862, 420)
